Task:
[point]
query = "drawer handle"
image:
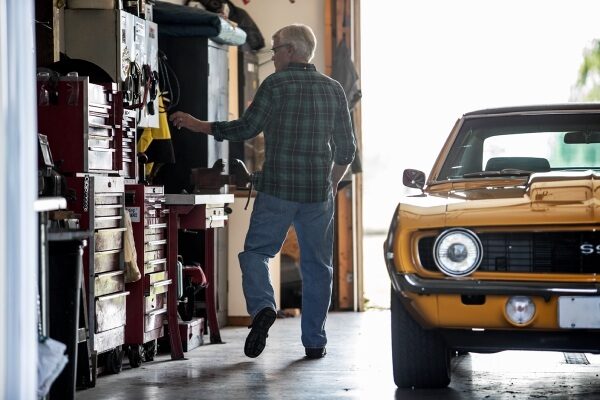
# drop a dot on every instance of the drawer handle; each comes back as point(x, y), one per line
point(155, 226)
point(157, 312)
point(103, 171)
point(110, 273)
point(98, 137)
point(157, 261)
point(112, 296)
point(99, 111)
point(111, 230)
point(101, 149)
point(109, 218)
point(217, 218)
point(100, 253)
point(97, 125)
point(109, 205)
point(156, 242)
point(166, 282)
point(109, 194)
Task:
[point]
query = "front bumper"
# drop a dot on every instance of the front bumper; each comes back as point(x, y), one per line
point(415, 284)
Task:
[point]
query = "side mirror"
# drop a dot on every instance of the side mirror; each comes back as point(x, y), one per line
point(413, 178)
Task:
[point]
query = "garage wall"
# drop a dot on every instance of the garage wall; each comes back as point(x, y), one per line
point(271, 15)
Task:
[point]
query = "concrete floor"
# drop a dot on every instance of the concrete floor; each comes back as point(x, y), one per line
point(357, 366)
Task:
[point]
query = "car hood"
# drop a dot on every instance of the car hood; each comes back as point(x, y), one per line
point(542, 199)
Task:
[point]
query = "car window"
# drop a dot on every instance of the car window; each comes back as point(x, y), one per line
point(504, 145)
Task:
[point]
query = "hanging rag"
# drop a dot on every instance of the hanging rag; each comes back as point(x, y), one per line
point(51, 357)
point(132, 272)
point(344, 71)
point(51, 361)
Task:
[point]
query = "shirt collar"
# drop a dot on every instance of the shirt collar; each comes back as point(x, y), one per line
point(301, 67)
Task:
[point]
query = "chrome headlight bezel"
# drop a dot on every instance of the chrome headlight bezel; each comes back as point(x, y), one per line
point(470, 243)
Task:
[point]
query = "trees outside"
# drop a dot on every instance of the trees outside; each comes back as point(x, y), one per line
point(587, 87)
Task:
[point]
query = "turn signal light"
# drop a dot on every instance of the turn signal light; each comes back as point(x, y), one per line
point(519, 310)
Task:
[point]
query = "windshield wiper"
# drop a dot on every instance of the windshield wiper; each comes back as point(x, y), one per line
point(503, 172)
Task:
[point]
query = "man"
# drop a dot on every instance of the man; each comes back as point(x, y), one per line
point(308, 145)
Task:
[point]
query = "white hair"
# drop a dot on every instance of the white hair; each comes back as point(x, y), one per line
point(301, 37)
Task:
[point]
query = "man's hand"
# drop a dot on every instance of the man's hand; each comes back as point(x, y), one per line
point(336, 176)
point(181, 119)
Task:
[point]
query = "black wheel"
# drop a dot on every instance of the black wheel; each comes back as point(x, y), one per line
point(420, 357)
point(135, 355)
point(150, 350)
point(114, 360)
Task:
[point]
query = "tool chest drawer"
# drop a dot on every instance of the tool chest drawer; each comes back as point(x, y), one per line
point(106, 261)
point(109, 282)
point(110, 311)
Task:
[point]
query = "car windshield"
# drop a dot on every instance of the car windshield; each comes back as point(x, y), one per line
point(517, 145)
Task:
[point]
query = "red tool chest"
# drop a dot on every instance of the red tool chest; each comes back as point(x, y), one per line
point(88, 129)
point(147, 303)
point(100, 202)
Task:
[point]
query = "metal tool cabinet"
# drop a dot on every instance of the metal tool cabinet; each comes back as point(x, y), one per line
point(100, 200)
point(87, 126)
point(147, 303)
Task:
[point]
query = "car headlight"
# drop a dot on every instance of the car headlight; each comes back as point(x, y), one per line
point(457, 252)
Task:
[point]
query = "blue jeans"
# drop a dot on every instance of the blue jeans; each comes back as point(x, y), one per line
point(269, 223)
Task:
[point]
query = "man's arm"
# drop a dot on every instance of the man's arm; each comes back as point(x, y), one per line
point(250, 124)
point(181, 119)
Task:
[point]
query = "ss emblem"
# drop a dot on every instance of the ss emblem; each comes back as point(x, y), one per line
point(589, 249)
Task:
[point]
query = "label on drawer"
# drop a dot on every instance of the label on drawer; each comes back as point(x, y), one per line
point(579, 312)
point(134, 213)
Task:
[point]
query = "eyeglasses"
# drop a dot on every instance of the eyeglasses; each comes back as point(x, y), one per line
point(274, 49)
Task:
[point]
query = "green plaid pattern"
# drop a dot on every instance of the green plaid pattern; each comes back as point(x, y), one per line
point(305, 119)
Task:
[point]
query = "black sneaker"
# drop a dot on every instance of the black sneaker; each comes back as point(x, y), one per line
point(315, 352)
point(257, 338)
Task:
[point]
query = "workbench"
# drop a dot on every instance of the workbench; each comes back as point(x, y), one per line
point(195, 212)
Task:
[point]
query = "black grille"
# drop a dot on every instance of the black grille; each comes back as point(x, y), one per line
point(536, 252)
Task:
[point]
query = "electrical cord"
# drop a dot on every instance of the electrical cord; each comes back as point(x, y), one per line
point(165, 72)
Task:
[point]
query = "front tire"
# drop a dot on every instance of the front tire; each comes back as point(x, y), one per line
point(420, 357)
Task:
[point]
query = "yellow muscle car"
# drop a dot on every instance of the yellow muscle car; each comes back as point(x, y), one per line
point(501, 250)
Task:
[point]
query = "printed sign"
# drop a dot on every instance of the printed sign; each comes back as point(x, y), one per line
point(134, 213)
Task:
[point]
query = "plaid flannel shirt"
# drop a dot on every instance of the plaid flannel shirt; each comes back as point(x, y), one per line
point(306, 122)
